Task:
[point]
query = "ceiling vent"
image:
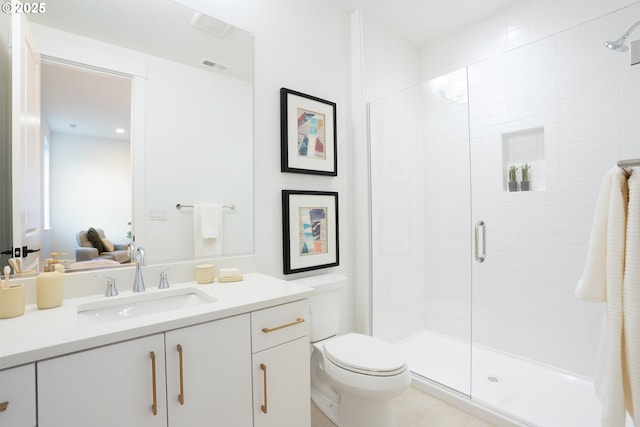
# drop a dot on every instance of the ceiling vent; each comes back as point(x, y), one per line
point(215, 65)
point(209, 24)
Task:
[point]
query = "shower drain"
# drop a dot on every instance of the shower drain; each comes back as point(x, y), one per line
point(494, 379)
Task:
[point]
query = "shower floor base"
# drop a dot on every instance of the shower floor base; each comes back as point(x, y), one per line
point(527, 391)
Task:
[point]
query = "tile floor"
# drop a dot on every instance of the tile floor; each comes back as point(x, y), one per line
point(417, 409)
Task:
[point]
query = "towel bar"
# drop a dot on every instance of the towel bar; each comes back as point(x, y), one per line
point(628, 163)
point(179, 206)
point(624, 164)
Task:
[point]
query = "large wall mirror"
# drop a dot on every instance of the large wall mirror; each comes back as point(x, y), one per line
point(145, 105)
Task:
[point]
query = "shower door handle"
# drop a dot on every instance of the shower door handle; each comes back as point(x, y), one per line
point(481, 257)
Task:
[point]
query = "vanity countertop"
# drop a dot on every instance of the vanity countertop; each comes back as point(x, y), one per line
point(42, 334)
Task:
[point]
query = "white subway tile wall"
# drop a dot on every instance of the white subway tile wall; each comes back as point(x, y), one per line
point(398, 207)
point(581, 94)
point(546, 68)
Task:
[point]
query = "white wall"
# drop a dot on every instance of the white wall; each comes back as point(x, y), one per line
point(90, 186)
point(200, 157)
point(382, 64)
point(527, 21)
point(390, 63)
point(301, 45)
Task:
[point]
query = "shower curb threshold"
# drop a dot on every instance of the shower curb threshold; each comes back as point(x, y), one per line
point(465, 403)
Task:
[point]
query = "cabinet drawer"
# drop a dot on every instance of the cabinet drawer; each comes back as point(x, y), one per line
point(276, 325)
point(18, 397)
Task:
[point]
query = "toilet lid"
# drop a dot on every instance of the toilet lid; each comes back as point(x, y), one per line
point(364, 354)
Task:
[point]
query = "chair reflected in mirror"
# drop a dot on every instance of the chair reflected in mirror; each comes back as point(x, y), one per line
point(95, 246)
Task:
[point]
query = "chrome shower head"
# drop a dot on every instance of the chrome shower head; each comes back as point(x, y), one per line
point(618, 45)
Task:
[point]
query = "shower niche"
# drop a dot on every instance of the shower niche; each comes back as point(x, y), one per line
point(524, 147)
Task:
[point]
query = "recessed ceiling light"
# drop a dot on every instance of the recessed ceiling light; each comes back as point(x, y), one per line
point(119, 130)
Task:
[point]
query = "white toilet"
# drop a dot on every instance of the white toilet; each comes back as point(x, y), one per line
point(354, 377)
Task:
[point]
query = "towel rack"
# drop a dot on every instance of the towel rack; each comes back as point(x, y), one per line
point(627, 164)
point(180, 206)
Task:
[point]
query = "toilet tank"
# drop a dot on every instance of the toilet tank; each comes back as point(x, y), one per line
point(324, 304)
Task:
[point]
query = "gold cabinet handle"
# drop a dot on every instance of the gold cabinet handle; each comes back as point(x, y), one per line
point(264, 376)
point(3, 406)
point(154, 405)
point(277, 328)
point(181, 395)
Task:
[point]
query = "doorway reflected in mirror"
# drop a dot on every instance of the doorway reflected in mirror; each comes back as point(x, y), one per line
point(86, 126)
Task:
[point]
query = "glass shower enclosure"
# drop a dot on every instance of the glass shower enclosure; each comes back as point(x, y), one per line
point(421, 245)
point(476, 282)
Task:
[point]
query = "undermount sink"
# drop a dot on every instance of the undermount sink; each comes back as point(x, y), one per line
point(141, 304)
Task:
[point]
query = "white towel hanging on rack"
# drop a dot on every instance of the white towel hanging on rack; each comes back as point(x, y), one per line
point(207, 229)
point(210, 216)
point(612, 275)
point(631, 302)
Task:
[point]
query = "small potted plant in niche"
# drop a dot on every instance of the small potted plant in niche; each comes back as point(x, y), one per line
point(524, 184)
point(513, 183)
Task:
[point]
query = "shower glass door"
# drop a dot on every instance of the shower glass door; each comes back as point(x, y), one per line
point(421, 211)
point(551, 108)
point(476, 282)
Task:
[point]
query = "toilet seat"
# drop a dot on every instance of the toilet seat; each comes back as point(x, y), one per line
point(366, 355)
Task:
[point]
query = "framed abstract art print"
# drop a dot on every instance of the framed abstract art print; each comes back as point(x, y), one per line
point(308, 134)
point(310, 230)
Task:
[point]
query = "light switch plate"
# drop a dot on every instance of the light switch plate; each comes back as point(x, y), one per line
point(158, 214)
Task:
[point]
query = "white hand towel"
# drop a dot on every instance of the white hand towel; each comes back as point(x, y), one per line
point(207, 230)
point(210, 219)
point(602, 281)
point(631, 298)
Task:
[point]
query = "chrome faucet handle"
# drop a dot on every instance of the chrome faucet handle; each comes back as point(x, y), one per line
point(141, 260)
point(164, 281)
point(140, 256)
point(111, 286)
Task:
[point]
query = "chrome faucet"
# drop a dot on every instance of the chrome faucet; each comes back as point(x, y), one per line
point(164, 281)
point(111, 286)
point(141, 260)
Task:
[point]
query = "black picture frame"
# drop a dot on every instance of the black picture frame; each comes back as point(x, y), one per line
point(308, 141)
point(310, 230)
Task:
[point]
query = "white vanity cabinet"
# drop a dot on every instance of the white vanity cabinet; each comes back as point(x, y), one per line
point(280, 345)
point(208, 380)
point(115, 385)
point(239, 360)
point(18, 397)
point(209, 374)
